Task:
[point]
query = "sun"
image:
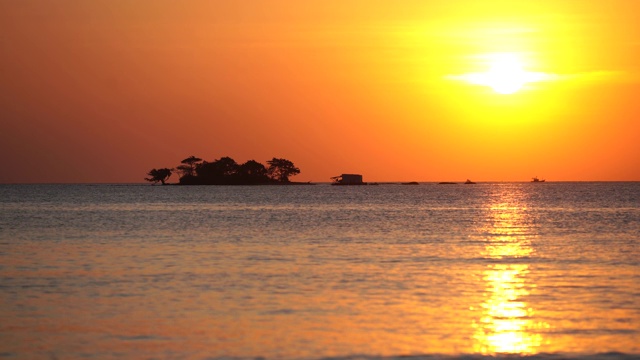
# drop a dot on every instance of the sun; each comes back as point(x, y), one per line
point(505, 74)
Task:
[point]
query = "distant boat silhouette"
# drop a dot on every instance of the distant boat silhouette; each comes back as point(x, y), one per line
point(468, 182)
point(535, 179)
point(411, 183)
point(348, 179)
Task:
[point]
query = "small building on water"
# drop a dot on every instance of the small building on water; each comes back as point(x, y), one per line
point(348, 179)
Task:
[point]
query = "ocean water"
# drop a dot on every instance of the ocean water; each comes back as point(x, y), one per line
point(542, 271)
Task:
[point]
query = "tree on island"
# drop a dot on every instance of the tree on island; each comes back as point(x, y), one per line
point(226, 171)
point(252, 172)
point(159, 175)
point(188, 167)
point(218, 172)
point(281, 169)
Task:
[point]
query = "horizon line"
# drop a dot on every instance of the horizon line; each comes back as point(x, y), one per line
point(392, 182)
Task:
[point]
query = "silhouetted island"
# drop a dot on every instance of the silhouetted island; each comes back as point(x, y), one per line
point(226, 171)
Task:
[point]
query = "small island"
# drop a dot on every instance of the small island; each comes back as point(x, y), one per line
point(226, 171)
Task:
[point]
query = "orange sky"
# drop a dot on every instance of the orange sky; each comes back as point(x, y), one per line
point(103, 91)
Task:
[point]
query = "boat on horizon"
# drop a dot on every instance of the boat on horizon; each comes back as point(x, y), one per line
point(469, 182)
point(535, 179)
point(348, 179)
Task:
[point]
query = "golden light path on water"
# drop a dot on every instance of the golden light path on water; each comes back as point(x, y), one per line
point(506, 324)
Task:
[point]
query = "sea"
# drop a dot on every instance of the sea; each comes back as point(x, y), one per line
point(492, 270)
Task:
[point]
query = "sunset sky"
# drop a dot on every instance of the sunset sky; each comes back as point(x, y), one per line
point(416, 90)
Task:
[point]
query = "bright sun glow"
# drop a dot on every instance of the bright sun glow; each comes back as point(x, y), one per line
point(506, 74)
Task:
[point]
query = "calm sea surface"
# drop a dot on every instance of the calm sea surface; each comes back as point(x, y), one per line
point(309, 272)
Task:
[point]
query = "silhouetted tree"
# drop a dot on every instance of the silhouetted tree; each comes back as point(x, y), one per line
point(221, 171)
point(252, 172)
point(281, 169)
point(188, 167)
point(227, 166)
point(226, 171)
point(159, 175)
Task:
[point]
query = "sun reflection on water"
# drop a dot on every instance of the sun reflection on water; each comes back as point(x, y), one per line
point(506, 323)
